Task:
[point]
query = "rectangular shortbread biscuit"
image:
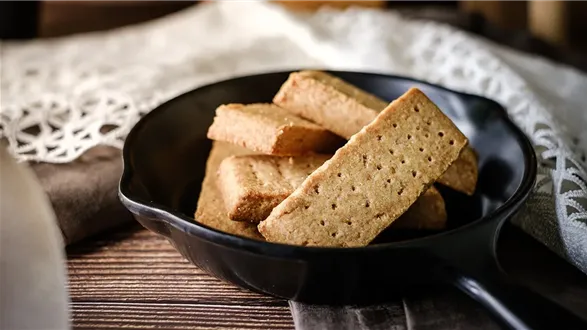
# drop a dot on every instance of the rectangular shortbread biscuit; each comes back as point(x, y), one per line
point(372, 180)
point(428, 212)
point(252, 185)
point(270, 129)
point(345, 109)
point(210, 210)
point(463, 173)
point(329, 101)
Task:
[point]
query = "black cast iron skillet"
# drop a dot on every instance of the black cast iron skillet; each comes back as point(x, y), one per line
point(164, 164)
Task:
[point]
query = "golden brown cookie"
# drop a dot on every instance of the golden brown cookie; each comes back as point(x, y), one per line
point(329, 101)
point(344, 109)
point(372, 180)
point(269, 129)
point(253, 185)
point(463, 173)
point(428, 212)
point(210, 210)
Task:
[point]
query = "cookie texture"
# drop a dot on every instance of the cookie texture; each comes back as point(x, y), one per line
point(428, 212)
point(372, 180)
point(463, 173)
point(210, 210)
point(253, 185)
point(270, 129)
point(344, 109)
point(328, 101)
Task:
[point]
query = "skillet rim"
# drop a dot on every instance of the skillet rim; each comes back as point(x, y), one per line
point(189, 226)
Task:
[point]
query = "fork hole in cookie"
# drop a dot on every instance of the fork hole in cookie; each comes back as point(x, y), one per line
point(414, 173)
point(388, 180)
point(394, 125)
point(316, 190)
point(367, 204)
point(429, 159)
point(333, 234)
point(421, 149)
point(353, 188)
point(339, 174)
point(379, 167)
point(441, 134)
point(451, 142)
point(348, 222)
point(379, 137)
point(426, 135)
point(409, 136)
point(401, 191)
point(306, 207)
point(403, 161)
point(390, 152)
point(322, 223)
point(416, 109)
point(333, 206)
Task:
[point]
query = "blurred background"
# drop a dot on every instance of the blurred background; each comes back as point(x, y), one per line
point(549, 28)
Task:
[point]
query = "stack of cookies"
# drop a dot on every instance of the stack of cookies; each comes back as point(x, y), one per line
point(328, 164)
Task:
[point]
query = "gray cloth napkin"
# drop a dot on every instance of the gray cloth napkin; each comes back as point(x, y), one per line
point(84, 193)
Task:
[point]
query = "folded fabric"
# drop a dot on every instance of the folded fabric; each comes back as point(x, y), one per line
point(84, 193)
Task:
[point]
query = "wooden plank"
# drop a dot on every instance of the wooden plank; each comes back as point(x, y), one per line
point(100, 315)
point(549, 20)
point(504, 14)
point(135, 279)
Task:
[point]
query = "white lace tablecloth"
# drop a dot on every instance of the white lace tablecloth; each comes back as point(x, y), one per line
point(60, 97)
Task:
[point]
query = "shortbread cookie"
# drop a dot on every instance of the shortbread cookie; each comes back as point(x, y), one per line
point(463, 173)
point(210, 210)
point(428, 212)
point(270, 129)
point(372, 180)
point(344, 109)
point(329, 101)
point(252, 185)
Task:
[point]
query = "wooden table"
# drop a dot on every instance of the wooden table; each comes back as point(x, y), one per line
point(132, 278)
point(135, 279)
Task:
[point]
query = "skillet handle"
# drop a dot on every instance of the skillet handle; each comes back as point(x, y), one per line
point(514, 306)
